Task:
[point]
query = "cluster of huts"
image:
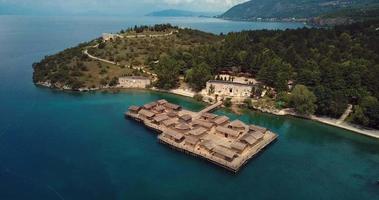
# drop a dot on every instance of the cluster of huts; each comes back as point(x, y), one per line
point(200, 131)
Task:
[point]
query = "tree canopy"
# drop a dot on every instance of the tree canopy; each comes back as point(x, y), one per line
point(168, 73)
point(303, 100)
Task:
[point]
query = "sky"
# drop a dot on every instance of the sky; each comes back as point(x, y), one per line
point(110, 7)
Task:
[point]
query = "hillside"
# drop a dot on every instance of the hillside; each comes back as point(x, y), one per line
point(181, 13)
point(129, 53)
point(281, 9)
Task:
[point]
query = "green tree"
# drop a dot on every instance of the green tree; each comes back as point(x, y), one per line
point(168, 73)
point(198, 97)
point(198, 76)
point(370, 106)
point(211, 89)
point(275, 72)
point(303, 100)
point(247, 103)
point(228, 102)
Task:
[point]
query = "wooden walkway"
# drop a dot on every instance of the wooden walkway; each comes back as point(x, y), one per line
point(211, 107)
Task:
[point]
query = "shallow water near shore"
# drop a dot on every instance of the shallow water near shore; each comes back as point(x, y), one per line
point(63, 145)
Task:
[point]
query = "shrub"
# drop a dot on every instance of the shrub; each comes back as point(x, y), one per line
point(228, 102)
point(198, 97)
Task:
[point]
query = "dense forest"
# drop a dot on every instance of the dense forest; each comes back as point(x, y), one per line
point(338, 65)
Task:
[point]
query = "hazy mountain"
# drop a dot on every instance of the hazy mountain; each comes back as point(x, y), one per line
point(181, 13)
point(290, 8)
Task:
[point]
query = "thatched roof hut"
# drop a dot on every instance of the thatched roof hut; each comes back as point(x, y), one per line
point(134, 109)
point(202, 123)
point(254, 128)
point(183, 127)
point(239, 146)
point(172, 106)
point(221, 120)
point(191, 140)
point(237, 124)
point(248, 139)
point(225, 153)
point(198, 131)
point(149, 106)
point(172, 114)
point(207, 144)
point(227, 131)
point(146, 113)
point(160, 118)
point(186, 118)
point(159, 108)
point(174, 135)
point(169, 122)
point(162, 101)
point(208, 116)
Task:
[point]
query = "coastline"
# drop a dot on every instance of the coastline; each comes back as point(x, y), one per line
point(286, 112)
point(327, 121)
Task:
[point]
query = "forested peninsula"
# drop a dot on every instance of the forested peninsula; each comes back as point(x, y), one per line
point(329, 68)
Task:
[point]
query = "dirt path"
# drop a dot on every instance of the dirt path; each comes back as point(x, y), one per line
point(345, 114)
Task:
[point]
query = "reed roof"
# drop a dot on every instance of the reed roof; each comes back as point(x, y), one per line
point(227, 131)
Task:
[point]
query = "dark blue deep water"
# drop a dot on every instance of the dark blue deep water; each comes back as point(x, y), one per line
point(58, 145)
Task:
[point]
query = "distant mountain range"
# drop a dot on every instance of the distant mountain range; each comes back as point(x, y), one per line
point(280, 9)
point(181, 13)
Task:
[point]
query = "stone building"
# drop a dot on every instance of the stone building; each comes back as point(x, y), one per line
point(228, 89)
point(133, 82)
point(110, 36)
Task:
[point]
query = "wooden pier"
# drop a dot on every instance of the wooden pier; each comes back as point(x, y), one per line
point(211, 107)
point(214, 138)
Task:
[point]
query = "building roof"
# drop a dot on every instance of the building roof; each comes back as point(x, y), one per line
point(134, 108)
point(208, 144)
point(169, 122)
point(182, 126)
point(174, 134)
point(220, 120)
point(237, 124)
point(149, 106)
point(202, 123)
point(198, 131)
point(159, 108)
point(224, 152)
point(238, 145)
point(186, 117)
point(172, 114)
point(191, 140)
point(257, 134)
point(160, 118)
point(257, 128)
point(162, 101)
point(172, 106)
point(249, 139)
point(227, 131)
point(146, 113)
point(208, 115)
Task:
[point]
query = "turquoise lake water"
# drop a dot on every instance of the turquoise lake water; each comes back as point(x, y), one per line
point(60, 145)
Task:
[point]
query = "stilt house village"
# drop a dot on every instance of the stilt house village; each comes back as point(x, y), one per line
point(226, 143)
